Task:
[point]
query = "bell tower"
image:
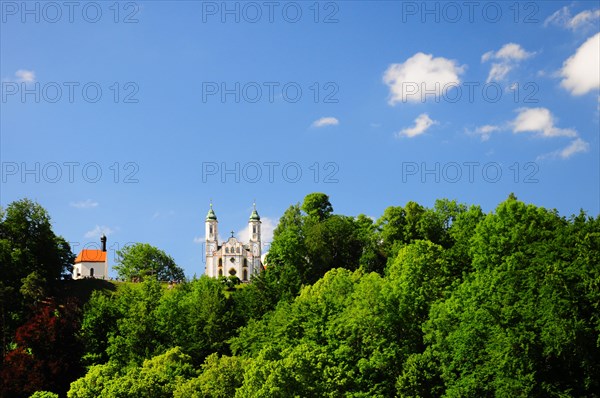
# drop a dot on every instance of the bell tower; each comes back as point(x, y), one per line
point(255, 240)
point(211, 233)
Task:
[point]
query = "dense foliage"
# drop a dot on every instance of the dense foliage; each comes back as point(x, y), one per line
point(423, 302)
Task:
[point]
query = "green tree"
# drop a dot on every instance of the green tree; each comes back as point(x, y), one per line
point(155, 378)
point(317, 205)
point(220, 378)
point(198, 317)
point(138, 335)
point(100, 316)
point(141, 259)
point(44, 394)
point(513, 327)
point(32, 261)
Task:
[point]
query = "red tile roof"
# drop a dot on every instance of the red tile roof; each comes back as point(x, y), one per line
point(91, 256)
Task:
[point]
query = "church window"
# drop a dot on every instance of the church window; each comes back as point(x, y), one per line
point(232, 260)
point(232, 271)
point(227, 250)
point(245, 263)
point(237, 249)
point(210, 229)
point(254, 229)
point(245, 274)
point(220, 272)
point(220, 262)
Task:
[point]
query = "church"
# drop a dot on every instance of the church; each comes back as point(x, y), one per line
point(233, 258)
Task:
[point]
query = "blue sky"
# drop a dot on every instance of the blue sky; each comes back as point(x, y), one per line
point(128, 118)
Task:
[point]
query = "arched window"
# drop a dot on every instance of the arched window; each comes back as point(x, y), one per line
point(227, 250)
point(245, 274)
point(220, 262)
point(254, 229)
point(210, 229)
point(220, 272)
point(245, 263)
point(237, 249)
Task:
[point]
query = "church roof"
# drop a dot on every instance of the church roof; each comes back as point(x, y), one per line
point(254, 216)
point(211, 214)
point(91, 256)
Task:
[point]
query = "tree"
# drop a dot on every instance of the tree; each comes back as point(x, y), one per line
point(47, 352)
point(32, 261)
point(155, 378)
point(521, 324)
point(220, 378)
point(138, 335)
point(317, 205)
point(141, 259)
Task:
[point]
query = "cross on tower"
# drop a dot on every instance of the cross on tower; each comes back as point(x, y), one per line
point(232, 234)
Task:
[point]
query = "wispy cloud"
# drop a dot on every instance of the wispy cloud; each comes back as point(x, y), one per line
point(576, 146)
point(84, 204)
point(25, 76)
point(325, 121)
point(485, 131)
point(422, 123)
point(542, 123)
point(507, 58)
point(419, 76)
point(159, 214)
point(98, 230)
point(582, 21)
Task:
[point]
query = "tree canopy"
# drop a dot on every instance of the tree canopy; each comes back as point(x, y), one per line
point(141, 259)
point(421, 302)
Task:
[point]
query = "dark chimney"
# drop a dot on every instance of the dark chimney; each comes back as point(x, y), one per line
point(103, 240)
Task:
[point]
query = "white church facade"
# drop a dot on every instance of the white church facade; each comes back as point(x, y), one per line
point(232, 257)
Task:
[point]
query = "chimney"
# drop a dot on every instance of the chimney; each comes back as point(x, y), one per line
point(103, 241)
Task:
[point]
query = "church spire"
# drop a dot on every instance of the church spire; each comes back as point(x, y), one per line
point(254, 216)
point(211, 214)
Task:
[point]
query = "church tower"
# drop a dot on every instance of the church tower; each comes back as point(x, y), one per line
point(211, 233)
point(254, 234)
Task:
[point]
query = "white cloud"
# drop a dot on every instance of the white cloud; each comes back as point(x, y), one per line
point(98, 231)
point(539, 120)
point(486, 131)
point(576, 146)
point(84, 204)
point(580, 71)
point(419, 76)
point(199, 239)
point(422, 123)
point(508, 58)
point(25, 76)
point(267, 227)
point(584, 20)
point(326, 121)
